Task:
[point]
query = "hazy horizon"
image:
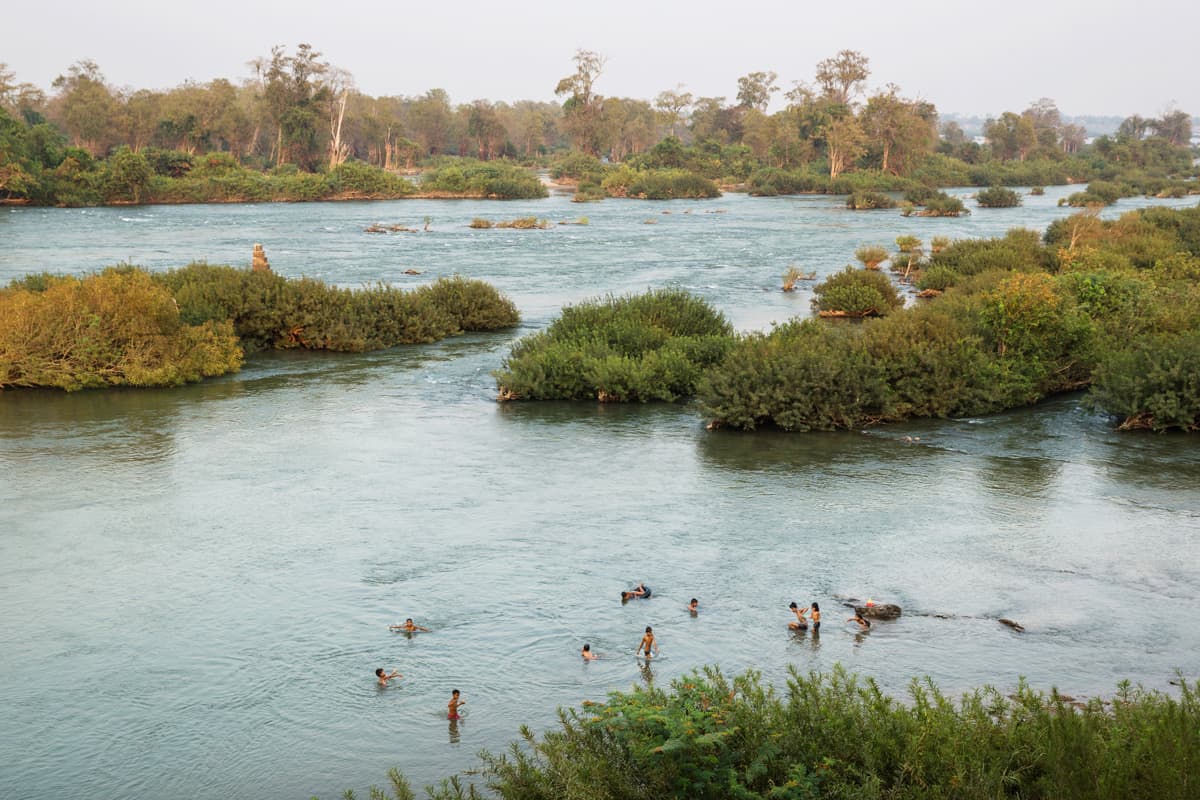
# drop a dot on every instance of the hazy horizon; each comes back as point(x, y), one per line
point(967, 61)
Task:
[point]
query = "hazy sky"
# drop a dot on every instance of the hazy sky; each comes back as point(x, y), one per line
point(1100, 57)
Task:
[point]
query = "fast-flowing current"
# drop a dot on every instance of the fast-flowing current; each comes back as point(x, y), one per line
point(196, 583)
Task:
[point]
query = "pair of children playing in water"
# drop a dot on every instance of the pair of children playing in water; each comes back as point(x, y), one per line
point(455, 696)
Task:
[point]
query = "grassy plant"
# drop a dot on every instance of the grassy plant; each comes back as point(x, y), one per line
point(865, 200)
point(997, 197)
point(871, 256)
point(856, 293)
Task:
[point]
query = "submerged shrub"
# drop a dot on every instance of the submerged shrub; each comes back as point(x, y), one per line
point(871, 256)
point(270, 311)
point(864, 200)
point(998, 197)
point(857, 293)
point(1153, 383)
point(652, 346)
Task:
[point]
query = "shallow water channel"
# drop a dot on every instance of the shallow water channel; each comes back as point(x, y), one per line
point(196, 584)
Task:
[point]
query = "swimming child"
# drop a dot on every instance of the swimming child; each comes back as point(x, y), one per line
point(408, 627)
point(383, 679)
point(452, 706)
point(694, 606)
point(801, 623)
point(863, 624)
point(647, 643)
point(588, 655)
point(816, 616)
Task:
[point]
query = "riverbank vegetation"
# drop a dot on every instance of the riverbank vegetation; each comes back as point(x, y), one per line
point(836, 735)
point(297, 129)
point(128, 327)
point(1110, 305)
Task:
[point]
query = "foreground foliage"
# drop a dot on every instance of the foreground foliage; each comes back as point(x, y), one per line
point(117, 328)
point(653, 346)
point(837, 736)
point(126, 327)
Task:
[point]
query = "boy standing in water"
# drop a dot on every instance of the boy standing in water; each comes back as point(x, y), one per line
point(647, 643)
point(383, 679)
point(452, 706)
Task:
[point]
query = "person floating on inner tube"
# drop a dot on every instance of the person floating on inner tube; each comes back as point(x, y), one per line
point(641, 591)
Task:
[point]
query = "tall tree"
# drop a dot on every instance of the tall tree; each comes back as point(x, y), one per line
point(1174, 126)
point(901, 130)
point(844, 143)
point(1011, 136)
point(583, 108)
point(842, 76)
point(87, 107)
point(755, 90)
point(673, 104)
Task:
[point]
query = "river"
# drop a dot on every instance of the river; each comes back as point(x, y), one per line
point(196, 583)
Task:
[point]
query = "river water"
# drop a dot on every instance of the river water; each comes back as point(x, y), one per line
point(195, 584)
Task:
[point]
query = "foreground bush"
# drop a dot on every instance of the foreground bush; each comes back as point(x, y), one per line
point(838, 736)
point(117, 328)
point(1154, 384)
point(270, 311)
point(653, 346)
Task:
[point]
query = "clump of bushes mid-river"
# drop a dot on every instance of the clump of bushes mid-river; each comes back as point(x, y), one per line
point(128, 327)
point(653, 346)
point(837, 736)
point(1114, 305)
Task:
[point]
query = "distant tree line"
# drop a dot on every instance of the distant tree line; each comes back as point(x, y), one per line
point(296, 111)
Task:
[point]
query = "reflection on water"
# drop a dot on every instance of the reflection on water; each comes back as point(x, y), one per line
point(220, 562)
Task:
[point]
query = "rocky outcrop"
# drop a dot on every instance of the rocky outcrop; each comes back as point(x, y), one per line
point(879, 611)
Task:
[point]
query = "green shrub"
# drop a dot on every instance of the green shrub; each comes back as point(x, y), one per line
point(269, 311)
point(658, 184)
point(871, 256)
point(938, 277)
point(496, 180)
point(857, 293)
point(1152, 383)
point(117, 328)
point(653, 346)
point(998, 197)
point(943, 205)
point(861, 200)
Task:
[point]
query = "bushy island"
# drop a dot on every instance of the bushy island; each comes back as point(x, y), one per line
point(837, 736)
point(126, 326)
point(1110, 305)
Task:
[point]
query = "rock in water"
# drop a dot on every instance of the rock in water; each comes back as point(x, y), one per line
point(258, 261)
point(879, 611)
point(1016, 626)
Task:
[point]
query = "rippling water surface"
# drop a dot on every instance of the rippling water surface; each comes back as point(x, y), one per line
point(195, 584)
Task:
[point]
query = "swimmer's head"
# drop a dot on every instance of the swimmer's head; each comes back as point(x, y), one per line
point(587, 648)
point(408, 621)
point(454, 693)
point(792, 605)
point(649, 629)
point(624, 595)
point(379, 672)
point(816, 607)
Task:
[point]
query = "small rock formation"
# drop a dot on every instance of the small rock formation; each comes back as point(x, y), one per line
point(258, 261)
point(411, 271)
point(1016, 626)
point(879, 611)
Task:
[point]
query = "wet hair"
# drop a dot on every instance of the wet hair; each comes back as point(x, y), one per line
point(587, 648)
point(408, 620)
point(792, 604)
point(816, 607)
point(455, 692)
point(695, 602)
point(379, 672)
point(625, 595)
point(649, 629)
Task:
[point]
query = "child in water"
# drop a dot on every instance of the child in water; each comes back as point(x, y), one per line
point(801, 623)
point(816, 617)
point(641, 591)
point(383, 679)
point(694, 606)
point(588, 655)
point(647, 643)
point(408, 627)
point(452, 706)
point(863, 623)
